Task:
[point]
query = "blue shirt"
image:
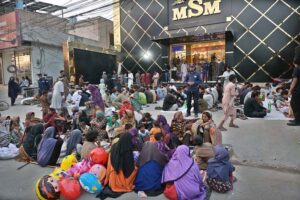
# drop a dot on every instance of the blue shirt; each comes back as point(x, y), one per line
point(193, 77)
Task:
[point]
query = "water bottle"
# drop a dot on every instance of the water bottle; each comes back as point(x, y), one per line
point(269, 106)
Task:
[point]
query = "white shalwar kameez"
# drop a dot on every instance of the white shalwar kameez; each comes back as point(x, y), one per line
point(57, 99)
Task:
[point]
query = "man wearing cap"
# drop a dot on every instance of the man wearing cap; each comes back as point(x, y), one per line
point(193, 81)
point(295, 90)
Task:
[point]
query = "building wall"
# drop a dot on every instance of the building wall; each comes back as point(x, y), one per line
point(140, 20)
point(265, 36)
point(46, 59)
point(6, 59)
point(94, 29)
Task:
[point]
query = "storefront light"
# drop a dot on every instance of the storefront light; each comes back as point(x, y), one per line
point(147, 55)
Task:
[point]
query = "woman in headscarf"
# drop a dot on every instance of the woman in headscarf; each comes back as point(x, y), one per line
point(151, 163)
point(28, 151)
point(178, 128)
point(128, 118)
point(96, 97)
point(136, 140)
point(165, 128)
point(202, 152)
point(73, 141)
point(99, 124)
point(121, 170)
point(219, 171)
point(183, 173)
point(207, 128)
point(111, 125)
point(49, 148)
point(13, 90)
point(125, 106)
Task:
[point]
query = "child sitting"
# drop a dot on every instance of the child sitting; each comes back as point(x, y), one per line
point(162, 146)
point(281, 103)
point(219, 171)
point(143, 133)
point(89, 144)
point(202, 152)
point(156, 129)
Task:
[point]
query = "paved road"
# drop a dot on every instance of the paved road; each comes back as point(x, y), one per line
point(260, 143)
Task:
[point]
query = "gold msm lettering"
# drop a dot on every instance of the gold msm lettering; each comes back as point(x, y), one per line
point(196, 8)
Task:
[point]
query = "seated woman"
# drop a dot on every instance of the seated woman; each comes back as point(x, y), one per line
point(49, 148)
point(16, 131)
point(121, 170)
point(89, 144)
point(182, 173)
point(178, 128)
point(49, 118)
point(125, 106)
point(28, 150)
point(151, 163)
point(253, 106)
point(202, 152)
point(99, 124)
point(219, 171)
point(111, 125)
point(208, 129)
point(136, 140)
point(128, 118)
point(165, 128)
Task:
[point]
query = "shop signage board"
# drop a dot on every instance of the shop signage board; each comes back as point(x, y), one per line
point(189, 13)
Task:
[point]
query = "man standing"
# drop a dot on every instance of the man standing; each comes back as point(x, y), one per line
point(193, 81)
point(295, 90)
point(58, 94)
point(130, 79)
point(138, 78)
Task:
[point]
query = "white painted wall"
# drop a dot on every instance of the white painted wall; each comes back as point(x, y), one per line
point(46, 59)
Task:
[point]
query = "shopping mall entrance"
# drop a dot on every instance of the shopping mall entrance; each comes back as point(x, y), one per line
point(203, 54)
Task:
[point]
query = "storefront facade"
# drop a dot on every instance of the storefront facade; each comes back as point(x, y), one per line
point(257, 38)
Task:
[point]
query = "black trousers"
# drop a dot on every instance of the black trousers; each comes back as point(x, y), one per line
point(195, 96)
point(12, 100)
point(295, 104)
point(257, 114)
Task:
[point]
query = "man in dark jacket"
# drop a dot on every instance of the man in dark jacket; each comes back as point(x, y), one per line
point(172, 101)
point(193, 81)
point(253, 107)
point(295, 90)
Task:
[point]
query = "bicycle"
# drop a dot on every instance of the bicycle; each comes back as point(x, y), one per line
point(3, 105)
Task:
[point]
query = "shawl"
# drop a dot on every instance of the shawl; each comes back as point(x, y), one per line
point(136, 140)
point(45, 151)
point(110, 122)
point(96, 97)
point(179, 164)
point(122, 155)
point(30, 138)
point(75, 138)
point(125, 106)
point(48, 133)
point(128, 118)
point(162, 120)
point(150, 152)
point(220, 167)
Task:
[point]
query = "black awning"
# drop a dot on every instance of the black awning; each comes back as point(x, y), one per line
point(194, 34)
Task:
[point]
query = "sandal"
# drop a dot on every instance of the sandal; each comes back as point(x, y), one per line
point(222, 129)
point(233, 126)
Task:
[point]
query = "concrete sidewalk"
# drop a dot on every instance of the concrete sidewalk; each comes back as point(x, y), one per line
point(253, 183)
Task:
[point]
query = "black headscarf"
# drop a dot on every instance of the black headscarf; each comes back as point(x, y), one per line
point(122, 155)
point(30, 143)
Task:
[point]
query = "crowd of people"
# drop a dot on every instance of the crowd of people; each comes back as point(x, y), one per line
point(183, 159)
